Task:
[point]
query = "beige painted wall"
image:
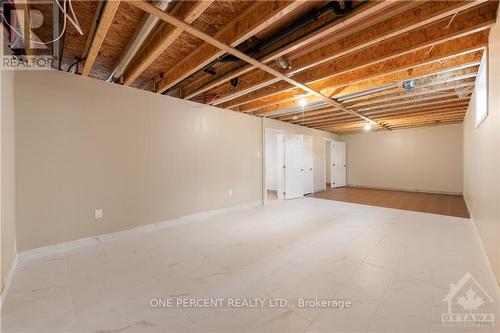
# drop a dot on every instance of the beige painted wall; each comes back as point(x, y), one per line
point(7, 167)
point(318, 146)
point(142, 157)
point(422, 159)
point(482, 161)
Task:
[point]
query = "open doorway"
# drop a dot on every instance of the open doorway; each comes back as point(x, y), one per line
point(338, 164)
point(274, 165)
point(335, 165)
point(289, 163)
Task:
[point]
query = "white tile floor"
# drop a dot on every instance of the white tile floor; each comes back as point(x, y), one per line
point(395, 266)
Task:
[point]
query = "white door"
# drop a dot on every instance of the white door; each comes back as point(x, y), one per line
point(338, 164)
point(308, 164)
point(279, 167)
point(294, 169)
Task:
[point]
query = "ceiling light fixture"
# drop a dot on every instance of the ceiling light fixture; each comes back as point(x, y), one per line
point(367, 127)
point(409, 85)
point(295, 118)
point(303, 102)
point(283, 63)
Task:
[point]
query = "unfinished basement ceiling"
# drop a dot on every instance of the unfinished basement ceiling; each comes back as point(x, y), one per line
point(357, 53)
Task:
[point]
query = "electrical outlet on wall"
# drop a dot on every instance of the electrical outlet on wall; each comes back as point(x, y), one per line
point(98, 214)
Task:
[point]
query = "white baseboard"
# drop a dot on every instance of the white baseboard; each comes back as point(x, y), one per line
point(94, 240)
point(480, 240)
point(8, 280)
point(403, 189)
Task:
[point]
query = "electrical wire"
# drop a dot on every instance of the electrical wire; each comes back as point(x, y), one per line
point(66, 17)
point(74, 64)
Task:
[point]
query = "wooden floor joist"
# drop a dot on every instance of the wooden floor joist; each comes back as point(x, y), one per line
point(352, 74)
point(421, 56)
point(372, 77)
point(102, 29)
point(162, 38)
point(257, 17)
point(313, 68)
point(336, 27)
point(416, 18)
point(263, 58)
point(231, 50)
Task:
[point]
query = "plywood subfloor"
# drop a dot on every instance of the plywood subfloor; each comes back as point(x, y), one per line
point(442, 204)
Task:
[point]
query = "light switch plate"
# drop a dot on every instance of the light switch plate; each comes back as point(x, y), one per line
point(98, 214)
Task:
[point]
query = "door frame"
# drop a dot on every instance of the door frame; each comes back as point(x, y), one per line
point(312, 157)
point(264, 180)
point(300, 137)
point(333, 168)
point(330, 167)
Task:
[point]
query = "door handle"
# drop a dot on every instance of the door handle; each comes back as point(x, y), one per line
point(310, 169)
point(301, 169)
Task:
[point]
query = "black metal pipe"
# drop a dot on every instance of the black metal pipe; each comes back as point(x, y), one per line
point(305, 20)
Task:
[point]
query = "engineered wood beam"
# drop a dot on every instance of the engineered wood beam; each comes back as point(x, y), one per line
point(411, 102)
point(93, 27)
point(162, 38)
point(339, 120)
point(102, 29)
point(142, 32)
point(466, 23)
point(257, 17)
point(449, 54)
point(459, 115)
point(442, 107)
point(442, 89)
point(430, 124)
point(406, 126)
point(402, 24)
point(358, 84)
point(427, 106)
point(332, 114)
point(327, 111)
point(392, 123)
point(335, 90)
point(426, 84)
point(228, 49)
point(443, 104)
point(340, 27)
point(25, 23)
point(381, 118)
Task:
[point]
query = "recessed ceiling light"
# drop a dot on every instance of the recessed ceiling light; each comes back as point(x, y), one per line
point(295, 118)
point(367, 127)
point(303, 102)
